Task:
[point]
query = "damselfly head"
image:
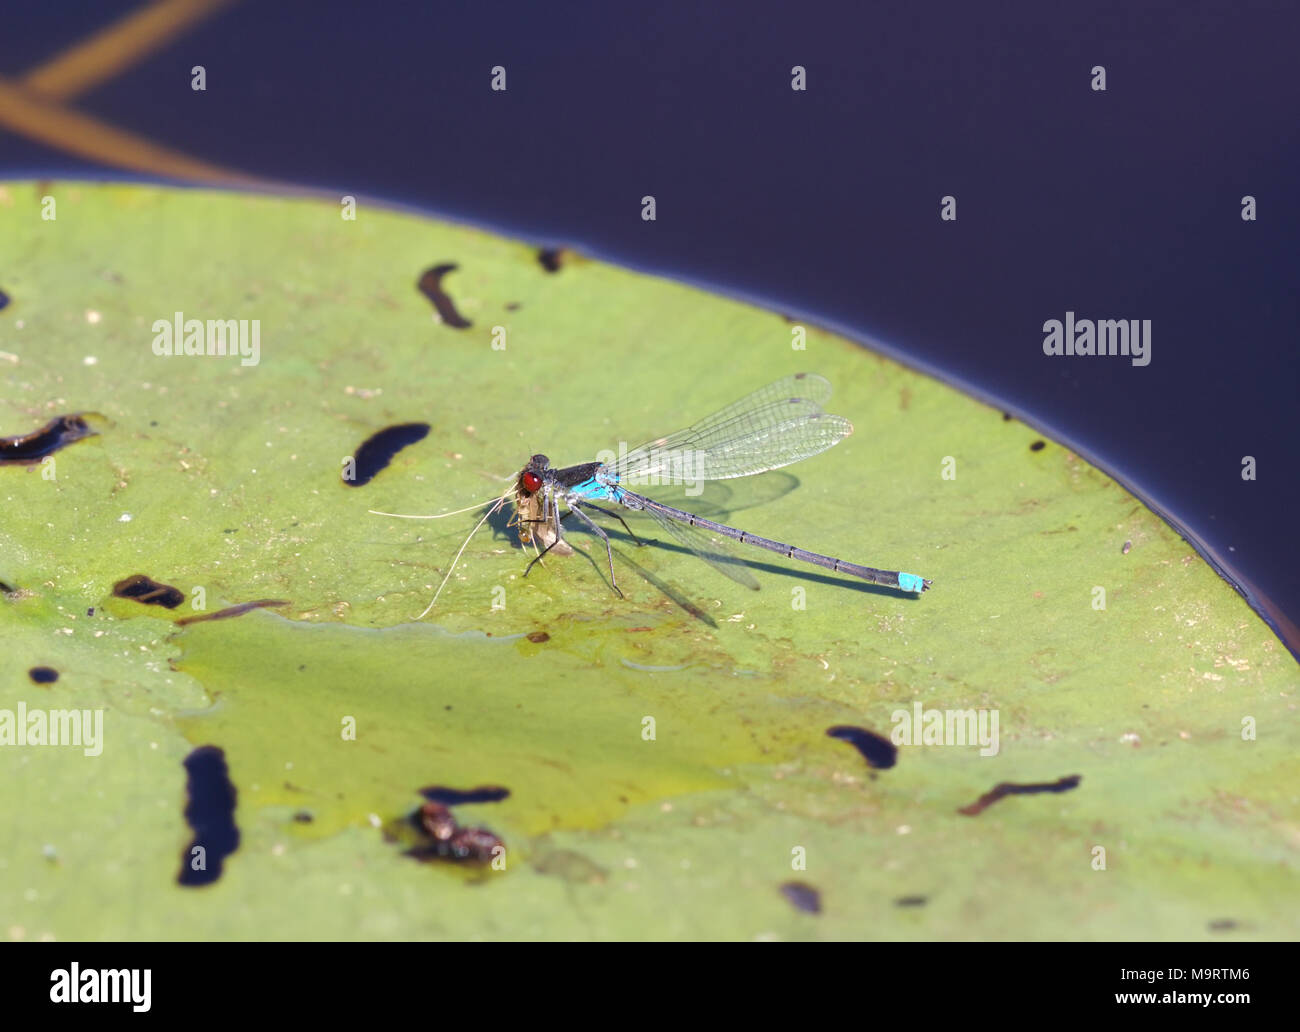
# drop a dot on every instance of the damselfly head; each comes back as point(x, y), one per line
point(529, 511)
point(530, 478)
point(532, 516)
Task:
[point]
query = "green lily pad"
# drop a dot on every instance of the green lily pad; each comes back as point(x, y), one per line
point(668, 769)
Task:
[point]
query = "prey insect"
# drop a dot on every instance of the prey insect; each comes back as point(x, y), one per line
point(775, 426)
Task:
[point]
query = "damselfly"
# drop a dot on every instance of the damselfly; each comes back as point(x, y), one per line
point(775, 426)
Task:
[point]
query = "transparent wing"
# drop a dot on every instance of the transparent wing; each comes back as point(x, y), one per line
point(712, 549)
point(770, 440)
point(775, 426)
point(806, 386)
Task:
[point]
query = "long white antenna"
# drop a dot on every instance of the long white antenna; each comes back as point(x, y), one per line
point(495, 509)
point(404, 516)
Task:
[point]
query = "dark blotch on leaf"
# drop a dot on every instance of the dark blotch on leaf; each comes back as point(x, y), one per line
point(876, 749)
point(551, 258)
point(802, 896)
point(1006, 417)
point(148, 591)
point(303, 817)
point(211, 813)
point(232, 611)
point(538, 637)
point(454, 796)
point(444, 839)
point(57, 433)
point(430, 284)
point(4, 299)
point(1226, 924)
point(377, 451)
point(910, 901)
point(1038, 446)
point(1006, 788)
point(43, 674)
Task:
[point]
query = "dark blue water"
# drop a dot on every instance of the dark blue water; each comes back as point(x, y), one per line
point(824, 203)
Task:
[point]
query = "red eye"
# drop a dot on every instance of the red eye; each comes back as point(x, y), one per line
point(531, 481)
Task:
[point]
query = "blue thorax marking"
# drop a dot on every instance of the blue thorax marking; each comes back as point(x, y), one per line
point(601, 486)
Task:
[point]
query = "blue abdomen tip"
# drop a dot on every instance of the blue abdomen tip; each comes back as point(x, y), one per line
point(911, 582)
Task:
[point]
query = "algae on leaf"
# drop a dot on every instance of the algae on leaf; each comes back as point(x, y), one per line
point(666, 755)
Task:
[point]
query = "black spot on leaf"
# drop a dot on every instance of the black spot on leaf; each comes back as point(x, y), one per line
point(57, 433)
point(877, 750)
point(148, 591)
point(231, 611)
point(377, 451)
point(802, 897)
point(1006, 788)
point(455, 796)
point(211, 814)
point(430, 284)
